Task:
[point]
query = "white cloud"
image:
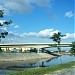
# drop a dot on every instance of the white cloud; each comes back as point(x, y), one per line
point(69, 36)
point(24, 5)
point(1, 21)
point(41, 2)
point(47, 33)
point(16, 26)
point(12, 34)
point(69, 14)
point(4, 28)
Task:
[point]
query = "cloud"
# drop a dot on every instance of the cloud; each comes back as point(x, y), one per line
point(16, 26)
point(1, 21)
point(47, 33)
point(24, 5)
point(41, 2)
point(12, 34)
point(4, 28)
point(69, 36)
point(69, 14)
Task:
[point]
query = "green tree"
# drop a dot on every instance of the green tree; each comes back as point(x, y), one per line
point(57, 38)
point(3, 34)
point(73, 48)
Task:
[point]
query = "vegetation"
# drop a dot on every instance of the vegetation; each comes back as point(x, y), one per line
point(73, 48)
point(3, 33)
point(44, 70)
point(57, 38)
point(33, 50)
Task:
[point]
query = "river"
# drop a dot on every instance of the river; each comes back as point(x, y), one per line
point(10, 67)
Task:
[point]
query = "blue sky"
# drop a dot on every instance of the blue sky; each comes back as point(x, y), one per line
point(37, 20)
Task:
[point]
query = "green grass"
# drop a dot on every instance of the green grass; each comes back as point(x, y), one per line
point(44, 70)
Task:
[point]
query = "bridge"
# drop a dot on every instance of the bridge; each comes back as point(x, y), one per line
point(24, 46)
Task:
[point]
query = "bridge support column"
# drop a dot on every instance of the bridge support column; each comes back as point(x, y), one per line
point(38, 50)
point(7, 48)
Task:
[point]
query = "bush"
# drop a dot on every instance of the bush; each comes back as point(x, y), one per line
point(73, 48)
point(33, 50)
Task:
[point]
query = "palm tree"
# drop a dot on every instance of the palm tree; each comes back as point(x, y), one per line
point(57, 38)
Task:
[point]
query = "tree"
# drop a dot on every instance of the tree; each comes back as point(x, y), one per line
point(73, 48)
point(57, 38)
point(3, 33)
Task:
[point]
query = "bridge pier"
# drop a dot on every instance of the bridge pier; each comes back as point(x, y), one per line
point(42, 50)
point(38, 50)
point(7, 48)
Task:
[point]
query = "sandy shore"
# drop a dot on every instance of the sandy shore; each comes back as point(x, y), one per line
point(24, 56)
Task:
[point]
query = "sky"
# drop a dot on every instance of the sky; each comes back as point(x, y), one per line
point(37, 20)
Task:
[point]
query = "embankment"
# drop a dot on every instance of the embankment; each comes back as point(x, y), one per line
point(23, 56)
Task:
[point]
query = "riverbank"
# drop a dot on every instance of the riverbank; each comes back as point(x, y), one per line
point(45, 70)
point(23, 56)
point(67, 71)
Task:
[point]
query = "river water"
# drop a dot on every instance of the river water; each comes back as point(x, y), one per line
point(11, 67)
point(4, 72)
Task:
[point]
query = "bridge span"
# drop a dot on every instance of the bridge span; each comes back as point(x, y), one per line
point(24, 46)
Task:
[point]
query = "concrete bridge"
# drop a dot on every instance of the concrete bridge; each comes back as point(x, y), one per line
point(25, 46)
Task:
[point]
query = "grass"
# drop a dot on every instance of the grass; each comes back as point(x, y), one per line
point(44, 70)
